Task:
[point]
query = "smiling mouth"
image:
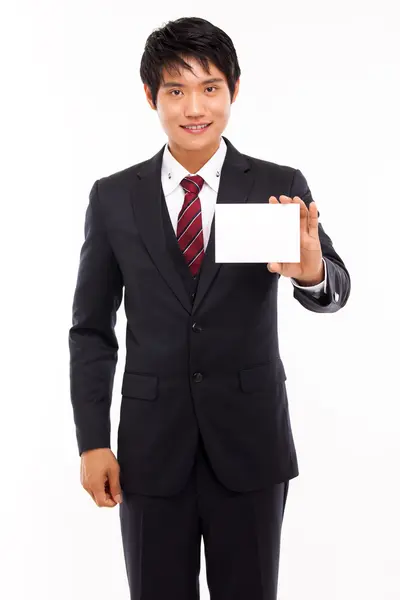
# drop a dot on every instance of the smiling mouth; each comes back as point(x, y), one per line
point(196, 127)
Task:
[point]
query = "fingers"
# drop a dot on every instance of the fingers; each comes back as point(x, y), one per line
point(115, 488)
point(274, 267)
point(303, 214)
point(98, 494)
point(282, 200)
point(98, 488)
point(101, 496)
point(100, 476)
point(305, 218)
point(313, 220)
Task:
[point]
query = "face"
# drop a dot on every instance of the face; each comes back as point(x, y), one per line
point(190, 99)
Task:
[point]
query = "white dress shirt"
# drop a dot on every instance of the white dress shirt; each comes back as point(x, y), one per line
point(172, 173)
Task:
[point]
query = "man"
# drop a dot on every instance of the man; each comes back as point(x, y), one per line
point(205, 445)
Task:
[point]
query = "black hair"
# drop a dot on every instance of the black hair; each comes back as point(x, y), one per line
point(167, 46)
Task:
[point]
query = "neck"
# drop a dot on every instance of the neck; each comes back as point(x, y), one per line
point(193, 160)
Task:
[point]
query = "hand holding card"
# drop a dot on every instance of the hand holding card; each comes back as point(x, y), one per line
point(310, 269)
point(283, 234)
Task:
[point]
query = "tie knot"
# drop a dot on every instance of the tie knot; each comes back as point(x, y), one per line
point(192, 183)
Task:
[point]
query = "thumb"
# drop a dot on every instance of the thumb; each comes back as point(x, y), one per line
point(115, 488)
point(274, 267)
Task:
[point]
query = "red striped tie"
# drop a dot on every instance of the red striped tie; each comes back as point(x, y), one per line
point(190, 227)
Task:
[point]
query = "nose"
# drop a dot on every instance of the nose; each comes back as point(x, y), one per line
point(194, 105)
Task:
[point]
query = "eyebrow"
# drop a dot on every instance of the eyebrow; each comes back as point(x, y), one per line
point(169, 84)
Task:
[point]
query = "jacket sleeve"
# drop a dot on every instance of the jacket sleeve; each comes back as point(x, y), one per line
point(93, 345)
point(338, 283)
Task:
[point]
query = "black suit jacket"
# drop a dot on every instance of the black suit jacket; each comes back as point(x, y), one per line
point(202, 355)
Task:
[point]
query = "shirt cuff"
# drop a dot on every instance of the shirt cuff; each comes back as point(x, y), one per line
point(318, 288)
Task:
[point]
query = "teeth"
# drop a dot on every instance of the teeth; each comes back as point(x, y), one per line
point(196, 126)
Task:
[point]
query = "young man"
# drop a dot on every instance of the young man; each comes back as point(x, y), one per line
point(205, 445)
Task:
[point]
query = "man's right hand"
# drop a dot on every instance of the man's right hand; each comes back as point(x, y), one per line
point(100, 476)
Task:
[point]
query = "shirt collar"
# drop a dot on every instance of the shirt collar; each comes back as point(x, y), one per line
point(172, 172)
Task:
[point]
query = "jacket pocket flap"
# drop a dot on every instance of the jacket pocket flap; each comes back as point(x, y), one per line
point(260, 378)
point(139, 385)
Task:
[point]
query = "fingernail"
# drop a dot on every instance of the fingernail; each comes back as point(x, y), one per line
point(118, 498)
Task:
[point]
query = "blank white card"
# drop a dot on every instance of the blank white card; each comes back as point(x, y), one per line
point(255, 233)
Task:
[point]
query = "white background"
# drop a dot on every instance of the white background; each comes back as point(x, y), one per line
point(319, 92)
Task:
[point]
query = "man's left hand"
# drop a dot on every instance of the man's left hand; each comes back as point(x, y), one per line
point(310, 269)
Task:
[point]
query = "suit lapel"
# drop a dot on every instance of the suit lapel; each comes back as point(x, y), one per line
point(235, 185)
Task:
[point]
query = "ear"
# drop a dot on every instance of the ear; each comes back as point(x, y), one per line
point(236, 90)
point(149, 97)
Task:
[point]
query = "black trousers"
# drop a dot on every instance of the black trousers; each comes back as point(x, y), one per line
point(241, 531)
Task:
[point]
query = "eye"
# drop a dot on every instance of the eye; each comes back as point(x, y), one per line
point(210, 87)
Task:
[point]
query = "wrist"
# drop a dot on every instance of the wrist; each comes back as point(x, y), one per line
point(314, 279)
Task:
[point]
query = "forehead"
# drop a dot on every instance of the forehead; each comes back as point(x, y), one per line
point(198, 75)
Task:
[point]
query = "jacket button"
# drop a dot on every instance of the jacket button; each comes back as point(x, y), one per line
point(196, 328)
point(197, 377)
